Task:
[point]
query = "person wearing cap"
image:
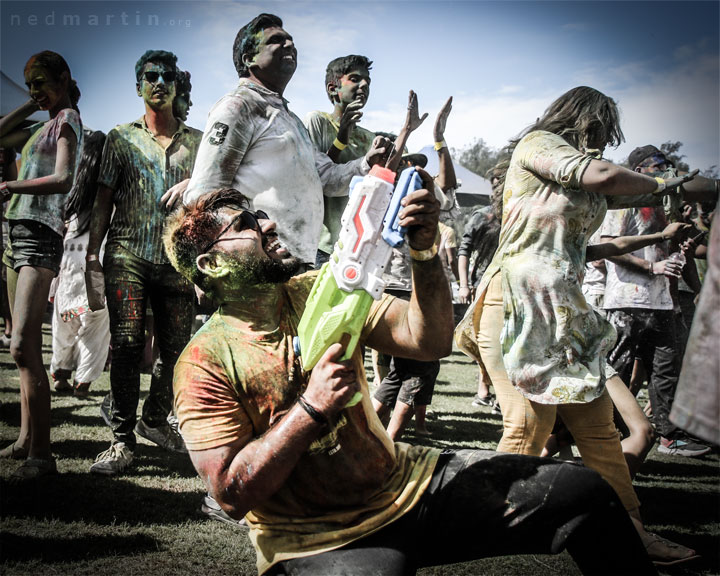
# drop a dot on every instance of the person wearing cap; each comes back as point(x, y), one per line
point(640, 306)
point(255, 143)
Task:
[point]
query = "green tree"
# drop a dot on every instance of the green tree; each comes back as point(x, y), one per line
point(477, 157)
point(712, 172)
point(672, 152)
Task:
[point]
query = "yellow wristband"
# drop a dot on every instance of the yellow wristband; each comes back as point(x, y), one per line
point(660, 185)
point(339, 145)
point(424, 255)
point(439, 145)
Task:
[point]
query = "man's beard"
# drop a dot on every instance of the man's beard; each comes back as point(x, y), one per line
point(257, 270)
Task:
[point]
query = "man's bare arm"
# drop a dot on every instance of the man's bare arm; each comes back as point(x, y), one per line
point(612, 180)
point(612, 247)
point(701, 189)
point(242, 475)
point(422, 328)
point(99, 224)
point(446, 178)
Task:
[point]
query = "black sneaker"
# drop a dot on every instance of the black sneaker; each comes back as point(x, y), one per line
point(212, 509)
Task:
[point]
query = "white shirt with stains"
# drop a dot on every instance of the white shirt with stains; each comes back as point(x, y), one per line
point(254, 143)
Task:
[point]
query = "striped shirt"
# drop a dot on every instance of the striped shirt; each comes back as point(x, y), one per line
point(139, 171)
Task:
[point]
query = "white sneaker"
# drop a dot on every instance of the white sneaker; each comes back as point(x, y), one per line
point(113, 461)
point(165, 436)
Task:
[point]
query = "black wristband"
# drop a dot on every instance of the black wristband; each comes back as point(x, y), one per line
point(316, 415)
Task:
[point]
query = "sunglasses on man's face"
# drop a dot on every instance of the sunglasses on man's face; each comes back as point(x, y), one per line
point(152, 77)
point(246, 220)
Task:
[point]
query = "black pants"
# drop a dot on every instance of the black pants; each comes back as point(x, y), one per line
point(651, 336)
point(481, 504)
point(130, 283)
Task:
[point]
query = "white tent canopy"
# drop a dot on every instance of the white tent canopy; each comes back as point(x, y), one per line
point(470, 183)
point(13, 95)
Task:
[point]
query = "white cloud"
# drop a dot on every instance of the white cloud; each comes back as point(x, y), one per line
point(510, 89)
point(678, 104)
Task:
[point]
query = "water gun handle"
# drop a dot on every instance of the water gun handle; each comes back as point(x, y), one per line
point(340, 299)
point(393, 233)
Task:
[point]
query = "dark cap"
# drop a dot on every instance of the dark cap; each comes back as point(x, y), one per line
point(639, 154)
point(416, 159)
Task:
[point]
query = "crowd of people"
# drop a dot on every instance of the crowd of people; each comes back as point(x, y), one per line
point(571, 278)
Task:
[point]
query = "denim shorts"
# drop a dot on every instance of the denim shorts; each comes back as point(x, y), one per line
point(33, 244)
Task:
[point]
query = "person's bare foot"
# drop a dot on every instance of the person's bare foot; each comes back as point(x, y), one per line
point(14, 452)
point(664, 552)
point(61, 384)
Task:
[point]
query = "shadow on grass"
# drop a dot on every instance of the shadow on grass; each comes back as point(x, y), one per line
point(56, 550)
point(96, 499)
point(665, 505)
point(668, 466)
point(449, 431)
point(454, 393)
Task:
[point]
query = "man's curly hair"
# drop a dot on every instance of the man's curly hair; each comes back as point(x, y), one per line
point(191, 227)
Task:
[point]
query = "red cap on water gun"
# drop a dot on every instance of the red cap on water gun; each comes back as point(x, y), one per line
point(383, 173)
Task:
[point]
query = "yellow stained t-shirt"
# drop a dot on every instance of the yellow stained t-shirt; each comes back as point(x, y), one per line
point(351, 482)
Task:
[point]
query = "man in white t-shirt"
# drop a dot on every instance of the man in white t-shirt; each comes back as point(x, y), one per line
point(640, 307)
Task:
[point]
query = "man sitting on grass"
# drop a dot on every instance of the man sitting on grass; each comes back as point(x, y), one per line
point(322, 486)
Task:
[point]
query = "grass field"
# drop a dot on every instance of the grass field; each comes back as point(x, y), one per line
point(147, 522)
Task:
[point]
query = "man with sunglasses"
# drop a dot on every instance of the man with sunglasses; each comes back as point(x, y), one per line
point(141, 160)
point(322, 486)
point(255, 143)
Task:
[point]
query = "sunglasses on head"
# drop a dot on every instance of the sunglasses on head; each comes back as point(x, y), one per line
point(248, 221)
point(152, 77)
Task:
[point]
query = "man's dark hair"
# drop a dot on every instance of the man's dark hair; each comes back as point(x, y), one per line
point(182, 84)
point(192, 226)
point(157, 57)
point(246, 41)
point(337, 68)
point(182, 89)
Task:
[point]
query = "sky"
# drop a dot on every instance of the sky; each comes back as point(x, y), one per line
point(503, 62)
